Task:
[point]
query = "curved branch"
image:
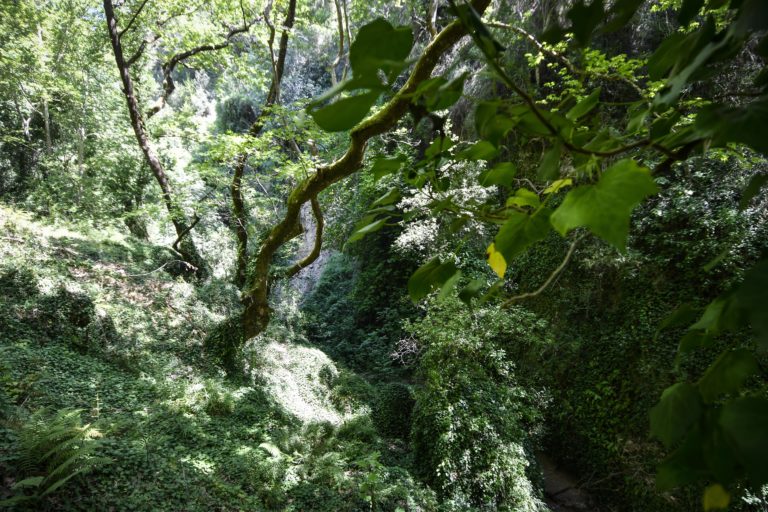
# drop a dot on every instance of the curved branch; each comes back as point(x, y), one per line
point(170, 65)
point(238, 202)
point(312, 256)
point(133, 18)
point(549, 280)
point(256, 299)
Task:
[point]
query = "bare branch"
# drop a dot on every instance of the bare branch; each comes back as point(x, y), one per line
point(170, 65)
point(133, 18)
point(549, 280)
point(312, 256)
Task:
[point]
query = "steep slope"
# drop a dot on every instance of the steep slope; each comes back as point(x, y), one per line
point(91, 320)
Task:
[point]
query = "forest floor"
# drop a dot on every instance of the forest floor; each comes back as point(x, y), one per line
point(87, 321)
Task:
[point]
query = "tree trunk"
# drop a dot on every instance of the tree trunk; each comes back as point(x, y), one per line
point(187, 248)
point(257, 313)
point(238, 203)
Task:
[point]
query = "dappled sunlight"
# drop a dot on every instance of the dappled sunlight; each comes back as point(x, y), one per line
point(298, 377)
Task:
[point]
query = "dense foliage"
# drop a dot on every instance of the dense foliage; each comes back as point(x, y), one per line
point(393, 256)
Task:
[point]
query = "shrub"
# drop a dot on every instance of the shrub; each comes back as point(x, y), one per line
point(54, 448)
point(392, 410)
point(473, 424)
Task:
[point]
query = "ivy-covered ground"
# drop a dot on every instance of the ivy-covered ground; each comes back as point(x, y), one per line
point(89, 320)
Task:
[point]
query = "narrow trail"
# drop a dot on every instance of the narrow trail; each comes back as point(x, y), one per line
point(561, 489)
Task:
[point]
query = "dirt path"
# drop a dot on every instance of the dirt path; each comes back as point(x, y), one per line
point(561, 490)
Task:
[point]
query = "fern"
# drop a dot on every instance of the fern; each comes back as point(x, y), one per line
point(55, 447)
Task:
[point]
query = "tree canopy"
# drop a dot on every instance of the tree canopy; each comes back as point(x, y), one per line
point(467, 200)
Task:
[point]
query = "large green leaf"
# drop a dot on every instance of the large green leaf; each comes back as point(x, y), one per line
point(751, 301)
point(549, 168)
point(520, 231)
point(368, 229)
point(679, 407)
point(584, 106)
point(746, 125)
point(689, 10)
point(745, 421)
point(605, 208)
point(430, 276)
point(756, 183)
point(481, 150)
point(379, 45)
point(383, 166)
point(584, 19)
point(502, 174)
point(345, 113)
point(727, 374)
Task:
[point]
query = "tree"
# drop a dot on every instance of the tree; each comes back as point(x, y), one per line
point(184, 244)
point(589, 180)
point(348, 112)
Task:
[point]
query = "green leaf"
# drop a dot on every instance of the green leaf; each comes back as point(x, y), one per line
point(756, 183)
point(683, 465)
point(727, 374)
point(392, 195)
point(620, 14)
point(368, 229)
point(678, 409)
point(471, 291)
point(683, 315)
point(584, 106)
point(481, 150)
point(605, 208)
point(345, 113)
point(448, 286)
point(430, 276)
point(557, 185)
point(33, 481)
point(715, 498)
point(502, 174)
point(524, 197)
point(751, 302)
point(745, 421)
point(477, 29)
point(440, 94)
point(439, 145)
point(383, 166)
point(745, 125)
point(379, 45)
point(585, 18)
point(694, 339)
point(520, 231)
point(665, 56)
point(549, 168)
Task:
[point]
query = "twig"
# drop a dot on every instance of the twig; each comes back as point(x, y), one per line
point(158, 269)
point(133, 18)
point(549, 280)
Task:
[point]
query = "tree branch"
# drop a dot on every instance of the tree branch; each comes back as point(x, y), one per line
point(238, 202)
point(549, 280)
point(256, 299)
point(170, 65)
point(312, 256)
point(133, 18)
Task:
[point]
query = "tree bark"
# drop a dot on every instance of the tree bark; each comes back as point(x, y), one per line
point(257, 313)
point(273, 96)
point(187, 250)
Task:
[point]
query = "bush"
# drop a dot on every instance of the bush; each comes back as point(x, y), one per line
point(474, 427)
point(392, 410)
point(54, 448)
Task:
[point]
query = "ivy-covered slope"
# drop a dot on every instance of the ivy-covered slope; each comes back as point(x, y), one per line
point(94, 331)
